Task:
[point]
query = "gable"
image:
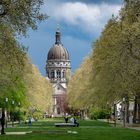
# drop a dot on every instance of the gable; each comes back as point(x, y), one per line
point(59, 89)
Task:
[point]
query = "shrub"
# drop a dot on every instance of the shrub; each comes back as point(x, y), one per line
point(99, 114)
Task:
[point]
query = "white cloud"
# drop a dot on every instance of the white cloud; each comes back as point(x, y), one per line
point(88, 17)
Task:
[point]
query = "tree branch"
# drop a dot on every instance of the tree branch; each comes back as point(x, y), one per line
point(131, 51)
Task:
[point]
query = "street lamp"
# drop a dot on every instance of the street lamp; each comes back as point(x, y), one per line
point(6, 100)
point(13, 102)
point(19, 111)
point(124, 111)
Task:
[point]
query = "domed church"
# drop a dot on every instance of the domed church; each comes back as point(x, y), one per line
point(57, 67)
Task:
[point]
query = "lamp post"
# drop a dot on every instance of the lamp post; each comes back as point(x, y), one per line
point(114, 112)
point(6, 118)
point(124, 111)
point(19, 111)
point(13, 102)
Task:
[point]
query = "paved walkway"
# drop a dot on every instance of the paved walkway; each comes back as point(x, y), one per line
point(135, 128)
point(42, 132)
point(18, 133)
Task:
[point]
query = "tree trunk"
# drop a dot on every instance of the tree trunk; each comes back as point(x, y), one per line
point(2, 121)
point(139, 113)
point(86, 114)
point(127, 109)
point(82, 114)
point(138, 101)
point(114, 112)
point(135, 110)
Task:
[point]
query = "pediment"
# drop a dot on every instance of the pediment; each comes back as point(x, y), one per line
point(58, 85)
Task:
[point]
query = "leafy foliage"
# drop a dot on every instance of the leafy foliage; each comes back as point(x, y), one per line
point(97, 113)
point(20, 80)
point(38, 89)
point(21, 14)
point(79, 93)
point(113, 69)
point(11, 65)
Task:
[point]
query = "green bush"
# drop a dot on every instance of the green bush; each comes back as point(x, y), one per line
point(37, 115)
point(99, 114)
point(16, 116)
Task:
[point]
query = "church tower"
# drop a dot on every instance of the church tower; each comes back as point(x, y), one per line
point(57, 67)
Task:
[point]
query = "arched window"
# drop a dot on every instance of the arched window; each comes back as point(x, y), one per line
point(58, 74)
point(63, 74)
point(52, 74)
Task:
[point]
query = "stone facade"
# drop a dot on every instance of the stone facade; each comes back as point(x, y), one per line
point(57, 66)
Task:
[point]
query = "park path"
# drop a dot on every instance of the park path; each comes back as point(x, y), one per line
point(135, 128)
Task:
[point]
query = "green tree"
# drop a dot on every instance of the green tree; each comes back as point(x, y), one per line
point(38, 89)
point(79, 91)
point(116, 56)
point(130, 16)
point(12, 64)
point(16, 17)
point(11, 70)
point(21, 15)
point(115, 63)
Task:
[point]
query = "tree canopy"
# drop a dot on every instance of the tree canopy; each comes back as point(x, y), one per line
point(38, 89)
point(11, 66)
point(113, 70)
point(20, 80)
point(21, 15)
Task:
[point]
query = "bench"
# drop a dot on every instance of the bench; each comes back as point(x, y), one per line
point(65, 125)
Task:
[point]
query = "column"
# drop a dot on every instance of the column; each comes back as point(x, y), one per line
point(55, 74)
point(61, 74)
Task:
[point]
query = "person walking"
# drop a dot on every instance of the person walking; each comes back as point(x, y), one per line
point(76, 122)
point(66, 118)
point(2, 121)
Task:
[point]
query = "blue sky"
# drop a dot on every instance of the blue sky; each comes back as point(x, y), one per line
point(81, 22)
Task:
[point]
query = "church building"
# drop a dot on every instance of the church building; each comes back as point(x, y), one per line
point(57, 68)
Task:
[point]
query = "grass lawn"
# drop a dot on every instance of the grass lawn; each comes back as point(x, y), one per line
point(88, 130)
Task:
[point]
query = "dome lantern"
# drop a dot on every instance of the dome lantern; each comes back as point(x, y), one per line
point(58, 52)
point(58, 37)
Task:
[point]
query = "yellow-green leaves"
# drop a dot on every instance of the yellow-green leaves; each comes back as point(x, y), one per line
point(113, 69)
point(38, 88)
